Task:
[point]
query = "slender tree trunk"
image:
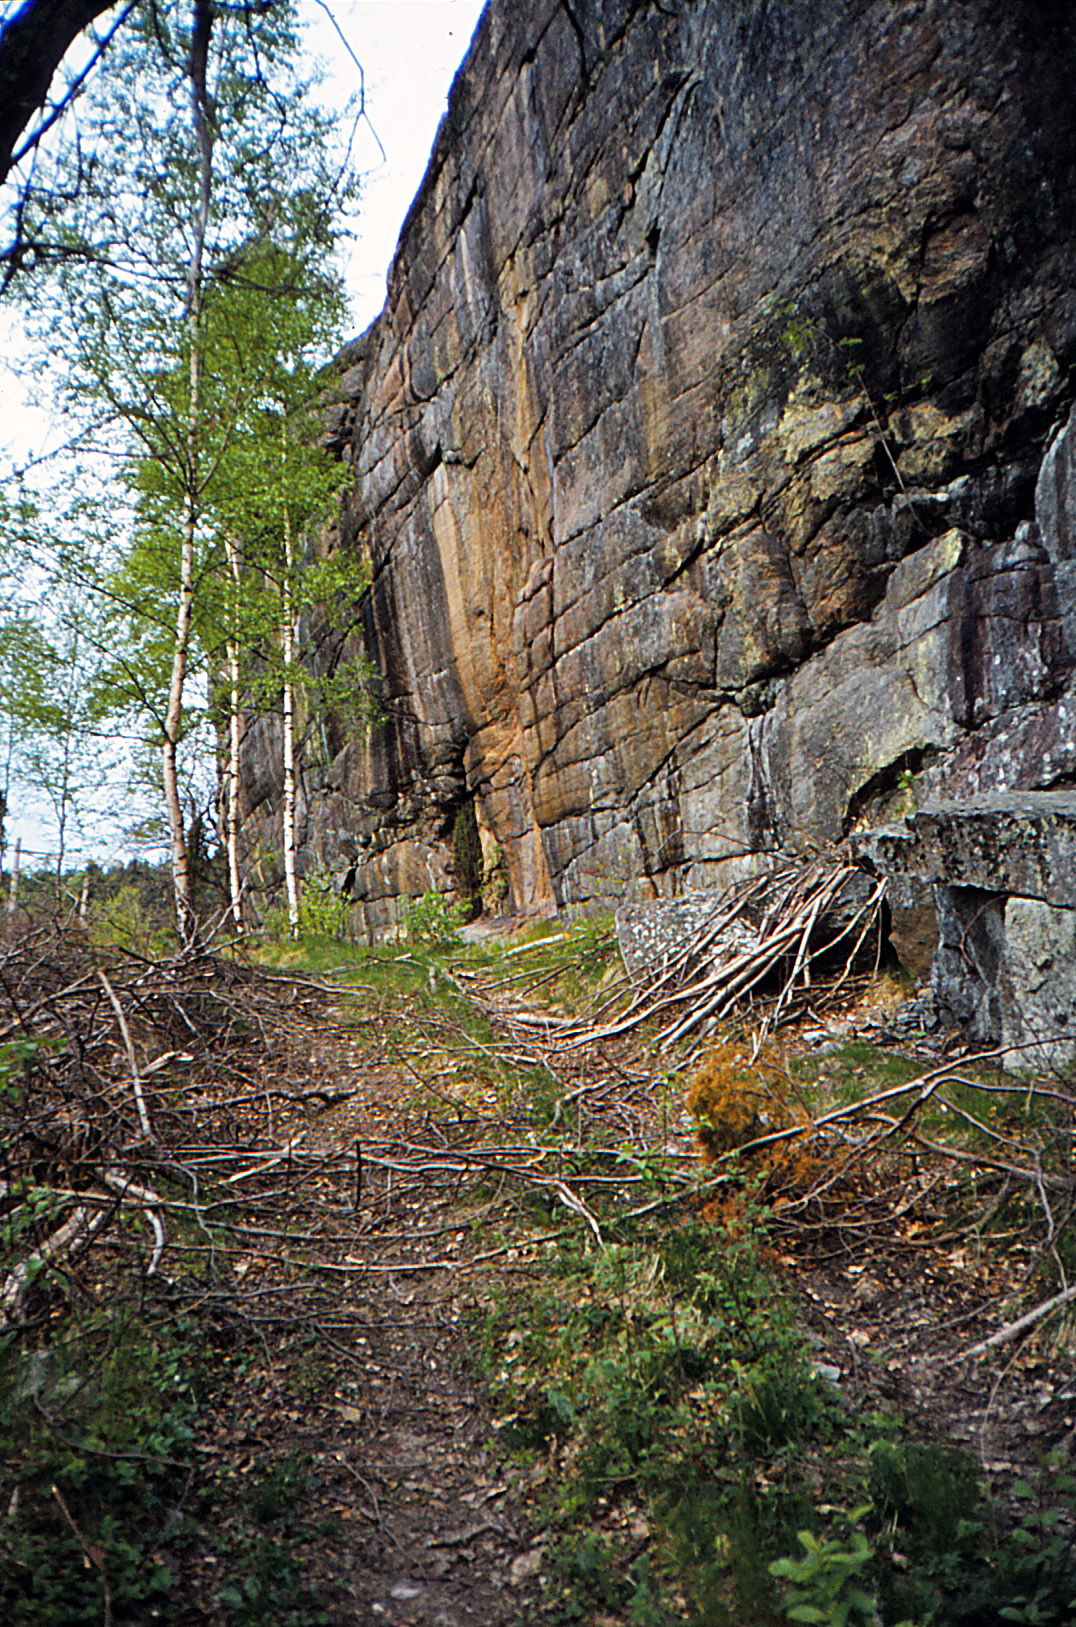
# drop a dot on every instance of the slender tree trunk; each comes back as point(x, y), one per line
point(235, 731)
point(13, 896)
point(61, 815)
point(288, 638)
point(63, 800)
point(5, 795)
point(173, 719)
point(197, 69)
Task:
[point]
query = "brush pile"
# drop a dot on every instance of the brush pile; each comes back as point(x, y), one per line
point(765, 952)
point(123, 1083)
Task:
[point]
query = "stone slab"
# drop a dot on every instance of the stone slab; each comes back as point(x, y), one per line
point(655, 932)
point(1019, 843)
point(1037, 984)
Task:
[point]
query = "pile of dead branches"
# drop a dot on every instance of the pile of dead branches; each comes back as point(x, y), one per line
point(766, 952)
point(845, 1175)
point(123, 1083)
point(979, 1150)
point(227, 1133)
point(251, 1135)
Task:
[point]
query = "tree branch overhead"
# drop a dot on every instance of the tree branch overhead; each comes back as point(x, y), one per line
point(32, 46)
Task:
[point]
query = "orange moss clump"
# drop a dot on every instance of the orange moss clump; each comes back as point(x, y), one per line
point(735, 1098)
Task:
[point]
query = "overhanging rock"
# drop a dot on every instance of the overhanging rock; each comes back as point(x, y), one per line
point(1003, 873)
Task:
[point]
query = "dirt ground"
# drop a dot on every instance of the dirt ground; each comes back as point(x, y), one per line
point(382, 1189)
point(437, 1529)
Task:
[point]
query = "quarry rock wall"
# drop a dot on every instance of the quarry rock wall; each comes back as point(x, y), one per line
point(694, 454)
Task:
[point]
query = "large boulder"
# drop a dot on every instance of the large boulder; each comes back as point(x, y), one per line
point(1003, 873)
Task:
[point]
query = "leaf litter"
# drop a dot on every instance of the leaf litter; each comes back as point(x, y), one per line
point(331, 1172)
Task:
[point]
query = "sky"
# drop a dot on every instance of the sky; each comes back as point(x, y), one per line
point(409, 51)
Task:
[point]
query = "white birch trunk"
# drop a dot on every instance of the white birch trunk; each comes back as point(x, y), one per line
point(235, 727)
point(61, 803)
point(172, 722)
point(197, 70)
point(16, 860)
point(288, 640)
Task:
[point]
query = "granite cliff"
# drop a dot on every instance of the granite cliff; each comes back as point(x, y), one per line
point(694, 454)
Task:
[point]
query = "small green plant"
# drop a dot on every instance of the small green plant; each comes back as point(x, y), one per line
point(272, 1590)
point(279, 1488)
point(130, 919)
point(796, 330)
point(908, 795)
point(544, 1417)
point(825, 1583)
point(1039, 1553)
point(98, 1456)
point(584, 1577)
point(779, 1406)
point(324, 909)
point(17, 1059)
point(932, 1490)
point(432, 919)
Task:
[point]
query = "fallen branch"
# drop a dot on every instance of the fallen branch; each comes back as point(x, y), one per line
point(92, 1555)
point(124, 1187)
point(1022, 1323)
point(140, 1100)
point(74, 1235)
point(268, 1163)
point(571, 1201)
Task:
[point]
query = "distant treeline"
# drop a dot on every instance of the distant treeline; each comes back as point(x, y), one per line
point(151, 883)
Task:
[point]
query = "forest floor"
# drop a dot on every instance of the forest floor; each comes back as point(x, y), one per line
point(390, 1296)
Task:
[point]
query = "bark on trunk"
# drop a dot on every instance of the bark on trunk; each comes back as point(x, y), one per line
point(197, 70)
point(62, 799)
point(13, 895)
point(288, 639)
point(235, 737)
point(172, 723)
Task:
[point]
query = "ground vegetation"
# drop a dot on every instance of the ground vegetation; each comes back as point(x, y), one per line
point(336, 1277)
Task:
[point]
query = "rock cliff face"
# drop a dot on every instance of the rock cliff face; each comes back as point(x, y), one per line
point(694, 453)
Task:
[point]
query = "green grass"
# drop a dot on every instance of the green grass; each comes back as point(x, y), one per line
point(852, 1071)
point(661, 1385)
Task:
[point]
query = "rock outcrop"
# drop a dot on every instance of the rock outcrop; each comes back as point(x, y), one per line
point(694, 454)
point(1002, 871)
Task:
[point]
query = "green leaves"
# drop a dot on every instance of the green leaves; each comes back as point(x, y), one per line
point(185, 309)
point(433, 919)
point(825, 1587)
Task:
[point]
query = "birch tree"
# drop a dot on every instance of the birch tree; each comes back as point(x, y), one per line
point(203, 146)
point(279, 491)
point(232, 811)
point(55, 747)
